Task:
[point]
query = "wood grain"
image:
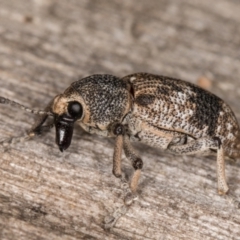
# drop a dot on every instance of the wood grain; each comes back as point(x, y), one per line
point(47, 44)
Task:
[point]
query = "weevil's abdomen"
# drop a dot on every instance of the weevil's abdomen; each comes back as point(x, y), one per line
point(178, 106)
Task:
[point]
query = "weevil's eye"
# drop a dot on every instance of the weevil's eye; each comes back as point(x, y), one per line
point(75, 110)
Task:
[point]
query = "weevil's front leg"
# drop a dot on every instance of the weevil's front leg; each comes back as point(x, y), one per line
point(38, 127)
point(205, 144)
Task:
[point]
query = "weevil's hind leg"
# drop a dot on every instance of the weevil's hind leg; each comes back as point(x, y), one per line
point(223, 188)
point(111, 220)
point(202, 145)
point(222, 184)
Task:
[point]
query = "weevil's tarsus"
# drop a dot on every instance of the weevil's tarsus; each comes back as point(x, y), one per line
point(6, 143)
point(41, 129)
point(14, 140)
point(111, 220)
point(233, 200)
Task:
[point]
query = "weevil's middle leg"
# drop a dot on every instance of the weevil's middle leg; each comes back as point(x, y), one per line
point(122, 142)
point(137, 164)
point(204, 144)
point(119, 131)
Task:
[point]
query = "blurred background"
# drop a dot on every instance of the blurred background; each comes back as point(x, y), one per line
point(59, 41)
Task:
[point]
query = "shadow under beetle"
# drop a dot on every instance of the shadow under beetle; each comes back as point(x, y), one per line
point(159, 111)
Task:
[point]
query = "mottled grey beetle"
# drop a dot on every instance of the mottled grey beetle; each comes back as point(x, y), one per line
point(160, 111)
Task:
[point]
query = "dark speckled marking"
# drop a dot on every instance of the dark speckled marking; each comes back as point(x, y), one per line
point(144, 99)
point(164, 90)
point(208, 107)
point(168, 85)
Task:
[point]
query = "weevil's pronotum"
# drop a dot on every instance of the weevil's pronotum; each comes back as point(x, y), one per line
point(160, 111)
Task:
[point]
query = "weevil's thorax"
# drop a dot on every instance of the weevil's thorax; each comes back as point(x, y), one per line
point(105, 99)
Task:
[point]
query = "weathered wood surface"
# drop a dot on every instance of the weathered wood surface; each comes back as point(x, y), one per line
point(47, 44)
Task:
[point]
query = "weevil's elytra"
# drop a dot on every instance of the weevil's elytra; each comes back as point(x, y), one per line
point(159, 111)
point(185, 108)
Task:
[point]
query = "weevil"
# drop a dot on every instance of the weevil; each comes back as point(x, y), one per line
point(159, 111)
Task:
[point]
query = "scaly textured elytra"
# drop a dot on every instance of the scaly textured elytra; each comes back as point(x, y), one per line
point(163, 112)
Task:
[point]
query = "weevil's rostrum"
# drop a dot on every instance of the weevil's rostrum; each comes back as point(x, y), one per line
point(160, 111)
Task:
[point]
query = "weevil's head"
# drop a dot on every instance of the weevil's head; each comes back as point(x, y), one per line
point(96, 101)
point(66, 112)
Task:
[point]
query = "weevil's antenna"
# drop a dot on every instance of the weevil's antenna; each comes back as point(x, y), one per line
point(15, 104)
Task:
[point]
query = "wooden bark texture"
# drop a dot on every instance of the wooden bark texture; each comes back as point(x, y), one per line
point(47, 44)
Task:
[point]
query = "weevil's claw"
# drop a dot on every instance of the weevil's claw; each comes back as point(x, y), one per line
point(130, 198)
point(110, 221)
point(232, 199)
